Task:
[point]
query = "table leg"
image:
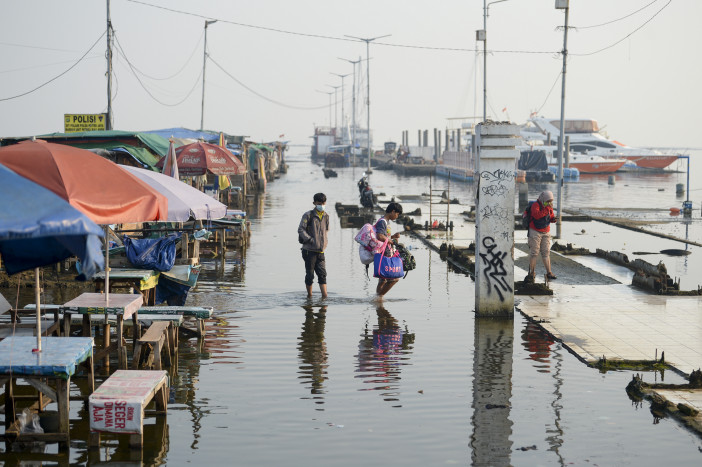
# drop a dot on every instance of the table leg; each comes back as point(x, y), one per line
point(136, 327)
point(63, 402)
point(120, 344)
point(66, 323)
point(106, 344)
point(10, 414)
point(91, 374)
point(87, 332)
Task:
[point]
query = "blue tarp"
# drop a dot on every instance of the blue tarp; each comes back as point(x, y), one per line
point(152, 253)
point(38, 228)
point(184, 133)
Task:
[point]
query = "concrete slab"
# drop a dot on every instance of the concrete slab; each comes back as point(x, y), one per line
point(621, 323)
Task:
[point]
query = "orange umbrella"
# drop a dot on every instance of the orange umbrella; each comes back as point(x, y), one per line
point(95, 186)
point(200, 158)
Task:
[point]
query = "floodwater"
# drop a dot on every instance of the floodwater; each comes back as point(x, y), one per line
point(414, 380)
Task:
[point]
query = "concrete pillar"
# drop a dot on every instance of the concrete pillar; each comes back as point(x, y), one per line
point(567, 152)
point(458, 139)
point(447, 139)
point(436, 146)
point(494, 220)
point(419, 138)
point(426, 138)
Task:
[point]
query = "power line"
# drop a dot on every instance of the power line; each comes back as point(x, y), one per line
point(181, 69)
point(132, 68)
point(334, 38)
point(627, 36)
point(44, 65)
point(615, 20)
point(12, 44)
point(59, 75)
point(549, 93)
point(273, 101)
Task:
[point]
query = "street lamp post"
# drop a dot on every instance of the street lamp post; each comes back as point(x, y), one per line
point(368, 41)
point(482, 36)
point(204, 64)
point(336, 113)
point(329, 93)
point(353, 108)
point(342, 98)
point(562, 5)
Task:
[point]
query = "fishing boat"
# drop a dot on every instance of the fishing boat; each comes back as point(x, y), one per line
point(586, 138)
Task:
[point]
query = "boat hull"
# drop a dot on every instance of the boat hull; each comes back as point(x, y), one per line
point(652, 162)
point(598, 167)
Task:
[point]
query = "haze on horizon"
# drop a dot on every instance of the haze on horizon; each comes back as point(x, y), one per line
point(630, 65)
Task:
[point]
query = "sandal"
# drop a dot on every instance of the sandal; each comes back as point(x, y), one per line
point(551, 276)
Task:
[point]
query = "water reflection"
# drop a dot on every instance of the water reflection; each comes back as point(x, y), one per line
point(492, 390)
point(382, 353)
point(313, 353)
point(538, 344)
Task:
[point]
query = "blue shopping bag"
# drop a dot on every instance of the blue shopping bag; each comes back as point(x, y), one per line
point(385, 267)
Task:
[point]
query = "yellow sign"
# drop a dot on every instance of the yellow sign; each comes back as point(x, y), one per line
point(84, 122)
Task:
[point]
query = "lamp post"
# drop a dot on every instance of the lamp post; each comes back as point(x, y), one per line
point(368, 41)
point(562, 5)
point(329, 93)
point(204, 63)
point(342, 98)
point(108, 120)
point(481, 35)
point(353, 108)
point(336, 105)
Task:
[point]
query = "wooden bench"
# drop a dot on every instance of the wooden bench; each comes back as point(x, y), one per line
point(199, 313)
point(119, 404)
point(159, 337)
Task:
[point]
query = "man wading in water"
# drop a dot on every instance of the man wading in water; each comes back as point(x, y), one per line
point(382, 231)
point(312, 234)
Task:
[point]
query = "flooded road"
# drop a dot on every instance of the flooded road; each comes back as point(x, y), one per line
point(413, 380)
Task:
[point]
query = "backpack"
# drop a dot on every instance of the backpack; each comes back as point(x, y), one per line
point(307, 226)
point(408, 262)
point(526, 216)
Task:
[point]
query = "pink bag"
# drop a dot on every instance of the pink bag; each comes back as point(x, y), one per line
point(366, 237)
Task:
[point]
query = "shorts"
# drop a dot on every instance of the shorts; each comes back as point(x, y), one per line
point(539, 242)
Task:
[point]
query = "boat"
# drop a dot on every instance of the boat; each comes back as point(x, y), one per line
point(585, 163)
point(585, 138)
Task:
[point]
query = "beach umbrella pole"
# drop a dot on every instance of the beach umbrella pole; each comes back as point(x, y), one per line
point(107, 267)
point(37, 300)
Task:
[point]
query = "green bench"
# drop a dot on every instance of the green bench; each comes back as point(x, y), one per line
point(199, 313)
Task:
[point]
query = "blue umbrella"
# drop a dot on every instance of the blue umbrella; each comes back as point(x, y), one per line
point(37, 228)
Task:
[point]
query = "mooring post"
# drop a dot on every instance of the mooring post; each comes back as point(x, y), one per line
point(494, 220)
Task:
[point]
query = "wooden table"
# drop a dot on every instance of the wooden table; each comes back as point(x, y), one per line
point(55, 364)
point(143, 280)
point(123, 306)
point(119, 403)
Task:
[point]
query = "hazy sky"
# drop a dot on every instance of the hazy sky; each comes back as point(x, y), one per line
point(645, 90)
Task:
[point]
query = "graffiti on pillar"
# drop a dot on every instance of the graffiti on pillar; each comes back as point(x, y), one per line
point(498, 176)
point(494, 211)
point(495, 190)
point(495, 271)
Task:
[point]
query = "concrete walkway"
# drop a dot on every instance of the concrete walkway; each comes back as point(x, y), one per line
point(621, 323)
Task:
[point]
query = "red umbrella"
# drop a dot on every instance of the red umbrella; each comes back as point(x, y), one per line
point(95, 186)
point(200, 158)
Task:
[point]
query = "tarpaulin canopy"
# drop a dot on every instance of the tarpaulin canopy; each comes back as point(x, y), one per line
point(184, 201)
point(88, 139)
point(37, 228)
point(93, 185)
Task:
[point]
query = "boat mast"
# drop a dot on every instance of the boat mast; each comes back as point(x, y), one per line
point(108, 121)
